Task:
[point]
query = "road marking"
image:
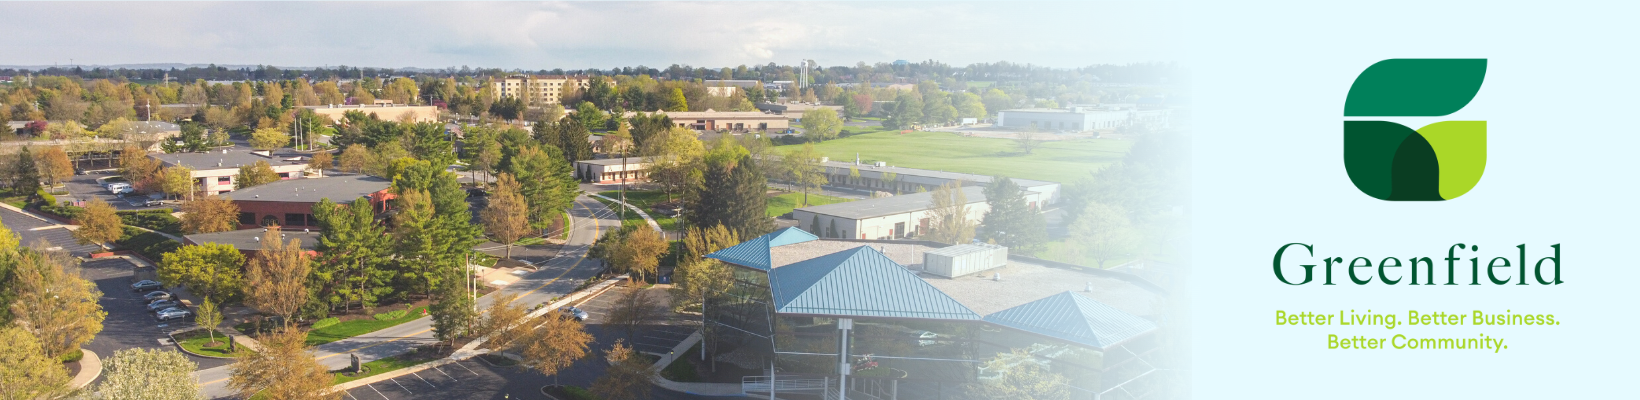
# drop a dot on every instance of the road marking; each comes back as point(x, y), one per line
point(378, 392)
point(445, 373)
point(401, 385)
point(423, 380)
point(350, 395)
point(468, 369)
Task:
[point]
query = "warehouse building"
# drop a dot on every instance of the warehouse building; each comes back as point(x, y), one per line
point(713, 120)
point(1079, 118)
point(612, 170)
point(893, 217)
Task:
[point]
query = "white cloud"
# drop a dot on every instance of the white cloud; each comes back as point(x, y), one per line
point(585, 34)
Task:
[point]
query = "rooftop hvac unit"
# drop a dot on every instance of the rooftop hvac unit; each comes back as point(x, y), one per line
point(964, 259)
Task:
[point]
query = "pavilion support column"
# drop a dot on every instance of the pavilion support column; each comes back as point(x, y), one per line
point(844, 325)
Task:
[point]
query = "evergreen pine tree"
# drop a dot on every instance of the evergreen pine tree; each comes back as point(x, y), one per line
point(28, 175)
point(1011, 221)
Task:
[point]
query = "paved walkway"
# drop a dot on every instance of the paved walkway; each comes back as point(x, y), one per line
point(646, 218)
point(555, 277)
point(90, 369)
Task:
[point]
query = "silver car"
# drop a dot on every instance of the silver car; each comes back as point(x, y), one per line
point(172, 313)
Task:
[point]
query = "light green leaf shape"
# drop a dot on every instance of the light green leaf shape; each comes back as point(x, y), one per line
point(1460, 149)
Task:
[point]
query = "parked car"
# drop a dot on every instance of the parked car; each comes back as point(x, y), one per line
point(172, 313)
point(120, 187)
point(146, 285)
point(162, 304)
point(572, 312)
point(157, 295)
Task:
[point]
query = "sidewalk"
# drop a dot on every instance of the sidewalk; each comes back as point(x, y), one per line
point(90, 369)
point(646, 218)
point(695, 388)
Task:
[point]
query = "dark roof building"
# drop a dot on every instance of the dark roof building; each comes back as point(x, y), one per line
point(249, 241)
point(289, 203)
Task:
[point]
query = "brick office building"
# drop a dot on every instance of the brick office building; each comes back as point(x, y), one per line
point(289, 204)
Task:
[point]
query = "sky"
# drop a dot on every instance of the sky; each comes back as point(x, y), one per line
point(576, 35)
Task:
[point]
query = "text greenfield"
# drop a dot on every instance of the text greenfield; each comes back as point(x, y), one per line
point(1362, 270)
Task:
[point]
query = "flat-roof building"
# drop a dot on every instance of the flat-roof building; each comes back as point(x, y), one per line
point(249, 241)
point(612, 170)
point(1079, 118)
point(382, 111)
point(712, 120)
point(216, 170)
point(892, 217)
point(290, 203)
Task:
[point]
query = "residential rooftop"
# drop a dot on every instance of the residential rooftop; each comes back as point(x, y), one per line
point(615, 161)
point(342, 189)
point(251, 239)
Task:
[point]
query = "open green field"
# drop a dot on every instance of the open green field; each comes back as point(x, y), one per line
point(379, 367)
point(197, 342)
point(785, 203)
point(1057, 161)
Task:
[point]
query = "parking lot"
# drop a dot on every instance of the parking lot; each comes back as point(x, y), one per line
point(657, 337)
point(32, 230)
point(469, 379)
point(129, 324)
point(85, 187)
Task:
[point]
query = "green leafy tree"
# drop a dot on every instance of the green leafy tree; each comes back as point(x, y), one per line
point(1102, 233)
point(676, 101)
point(1022, 378)
point(178, 181)
point(148, 374)
point(1011, 221)
point(506, 217)
point(209, 270)
point(255, 174)
point(98, 223)
point(210, 317)
point(674, 158)
point(949, 215)
point(26, 371)
point(803, 168)
point(268, 139)
point(821, 124)
point(452, 309)
point(54, 303)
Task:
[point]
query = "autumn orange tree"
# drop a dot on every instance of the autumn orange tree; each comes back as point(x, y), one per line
point(276, 279)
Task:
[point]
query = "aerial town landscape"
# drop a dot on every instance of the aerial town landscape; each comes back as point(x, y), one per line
point(878, 229)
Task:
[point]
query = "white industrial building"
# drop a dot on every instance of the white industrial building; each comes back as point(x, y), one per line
point(890, 217)
point(1080, 118)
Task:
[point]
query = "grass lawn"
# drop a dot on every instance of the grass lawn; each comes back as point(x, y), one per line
point(642, 199)
point(785, 203)
point(197, 341)
point(380, 366)
point(1058, 161)
point(681, 370)
point(1058, 251)
point(529, 241)
point(358, 327)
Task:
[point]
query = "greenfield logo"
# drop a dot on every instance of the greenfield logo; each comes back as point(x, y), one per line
point(1439, 161)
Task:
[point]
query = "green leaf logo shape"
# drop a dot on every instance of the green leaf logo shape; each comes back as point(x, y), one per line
point(1439, 161)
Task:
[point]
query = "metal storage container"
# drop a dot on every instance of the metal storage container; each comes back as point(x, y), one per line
point(964, 259)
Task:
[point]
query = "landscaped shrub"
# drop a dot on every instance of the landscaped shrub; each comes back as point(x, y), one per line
point(46, 198)
point(392, 315)
point(66, 211)
point(323, 323)
point(159, 220)
point(578, 393)
point(150, 245)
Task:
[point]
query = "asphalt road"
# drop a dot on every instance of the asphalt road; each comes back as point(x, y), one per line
point(473, 379)
point(555, 277)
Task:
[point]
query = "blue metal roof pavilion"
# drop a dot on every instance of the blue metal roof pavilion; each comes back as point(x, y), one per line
point(1074, 318)
point(860, 282)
